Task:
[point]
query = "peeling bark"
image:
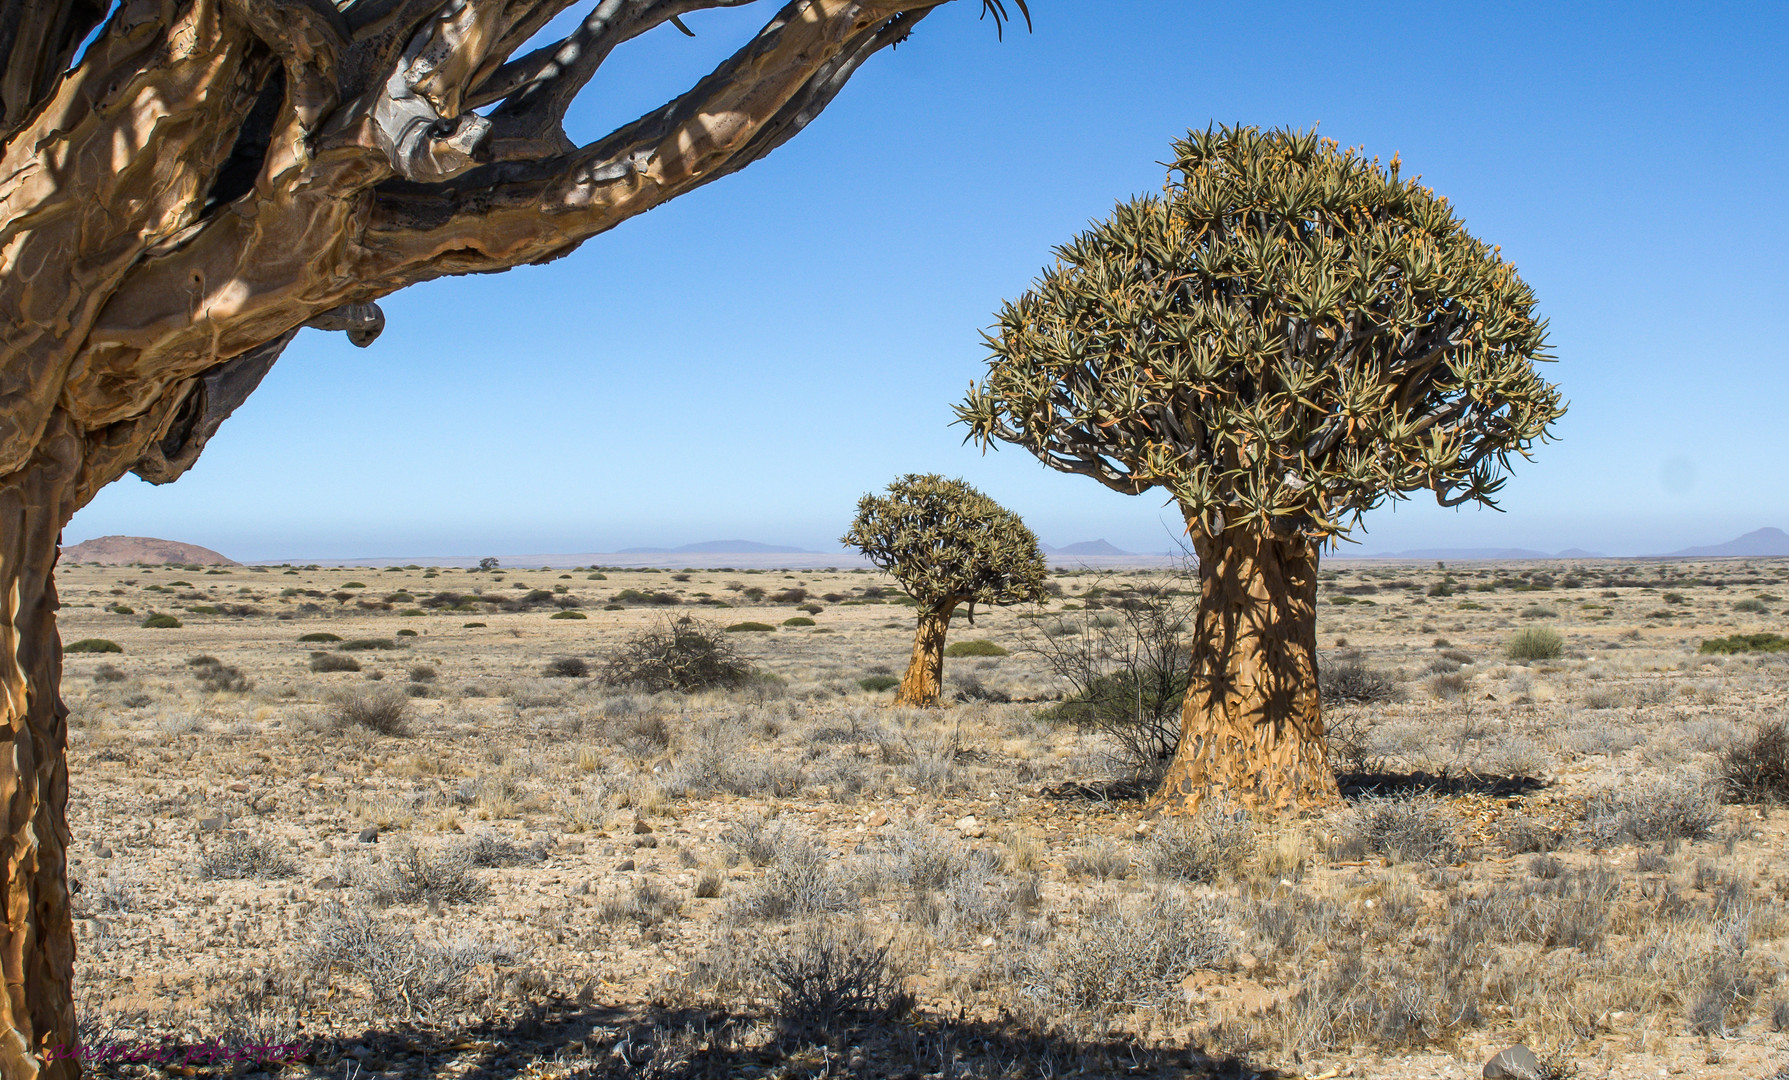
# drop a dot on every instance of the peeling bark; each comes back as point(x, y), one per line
point(924, 679)
point(1251, 726)
point(36, 925)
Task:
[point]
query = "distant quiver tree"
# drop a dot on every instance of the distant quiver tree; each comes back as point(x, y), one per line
point(186, 184)
point(1286, 336)
point(948, 546)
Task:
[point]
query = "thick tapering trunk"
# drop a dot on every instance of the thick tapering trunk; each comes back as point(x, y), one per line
point(37, 949)
point(1251, 730)
point(925, 671)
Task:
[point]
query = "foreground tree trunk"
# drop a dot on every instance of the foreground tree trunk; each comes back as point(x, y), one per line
point(1251, 728)
point(37, 1023)
point(925, 670)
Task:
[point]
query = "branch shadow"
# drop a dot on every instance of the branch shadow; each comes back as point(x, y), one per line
point(1365, 784)
point(588, 1042)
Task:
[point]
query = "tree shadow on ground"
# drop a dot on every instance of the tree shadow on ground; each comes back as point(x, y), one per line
point(666, 1043)
point(1357, 785)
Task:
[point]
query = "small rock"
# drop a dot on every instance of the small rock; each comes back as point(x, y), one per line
point(969, 827)
point(1246, 962)
point(213, 823)
point(370, 834)
point(239, 787)
point(101, 850)
point(877, 819)
point(327, 881)
point(1515, 1063)
point(640, 827)
point(624, 865)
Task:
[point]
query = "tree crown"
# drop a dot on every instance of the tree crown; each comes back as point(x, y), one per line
point(947, 543)
point(1287, 335)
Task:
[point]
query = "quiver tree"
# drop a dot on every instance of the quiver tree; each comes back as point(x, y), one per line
point(211, 175)
point(1285, 337)
point(948, 546)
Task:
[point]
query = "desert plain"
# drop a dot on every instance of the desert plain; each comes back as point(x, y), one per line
point(462, 853)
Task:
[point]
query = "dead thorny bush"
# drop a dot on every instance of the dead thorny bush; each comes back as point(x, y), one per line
point(414, 876)
point(1756, 769)
point(1123, 953)
point(242, 857)
point(1127, 671)
point(682, 655)
point(834, 975)
point(1351, 682)
point(378, 709)
point(1212, 845)
point(420, 978)
point(1684, 808)
point(1418, 829)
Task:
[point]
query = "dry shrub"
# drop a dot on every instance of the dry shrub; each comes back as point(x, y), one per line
point(1673, 809)
point(682, 655)
point(413, 876)
point(1419, 829)
point(1757, 769)
point(424, 979)
point(240, 858)
point(379, 709)
point(832, 976)
point(1212, 845)
point(1124, 953)
point(566, 667)
point(1351, 682)
point(334, 662)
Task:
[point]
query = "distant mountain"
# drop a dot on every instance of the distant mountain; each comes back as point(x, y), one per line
point(1758, 544)
point(719, 547)
point(120, 550)
point(1085, 547)
point(1580, 553)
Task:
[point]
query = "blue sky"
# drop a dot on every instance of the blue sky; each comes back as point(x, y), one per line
point(748, 360)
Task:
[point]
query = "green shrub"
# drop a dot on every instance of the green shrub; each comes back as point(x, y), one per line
point(472, 626)
point(161, 622)
point(202, 609)
point(875, 684)
point(649, 596)
point(799, 620)
point(92, 644)
point(367, 644)
point(1534, 643)
point(333, 662)
point(750, 628)
point(1744, 643)
point(406, 633)
point(1755, 607)
point(353, 584)
point(974, 648)
point(568, 615)
point(320, 635)
point(411, 613)
point(122, 609)
point(1539, 611)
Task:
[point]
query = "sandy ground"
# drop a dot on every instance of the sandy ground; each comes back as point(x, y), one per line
point(544, 875)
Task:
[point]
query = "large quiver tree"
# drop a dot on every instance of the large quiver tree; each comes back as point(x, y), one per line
point(1285, 337)
point(212, 175)
point(948, 546)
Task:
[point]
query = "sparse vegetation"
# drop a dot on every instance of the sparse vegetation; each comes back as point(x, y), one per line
point(326, 662)
point(1354, 683)
point(319, 637)
point(161, 621)
point(1756, 768)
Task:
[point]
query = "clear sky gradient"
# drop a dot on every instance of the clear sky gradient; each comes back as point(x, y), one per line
point(746, 361)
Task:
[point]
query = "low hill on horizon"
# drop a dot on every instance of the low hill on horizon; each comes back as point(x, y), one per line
point(1757, 544)
point(123, 550)
point(1084, 547)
